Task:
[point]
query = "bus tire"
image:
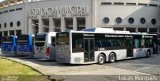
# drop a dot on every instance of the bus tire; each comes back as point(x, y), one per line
point(112, 57)
point(101, 59)
point(148, 54)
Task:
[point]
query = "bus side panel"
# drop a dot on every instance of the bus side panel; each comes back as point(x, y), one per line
point(141, 52)
point(14, 44)
point(121, 54)
point(77, 58)
point(30, 44)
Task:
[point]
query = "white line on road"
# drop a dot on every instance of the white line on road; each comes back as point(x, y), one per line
point(146, 68)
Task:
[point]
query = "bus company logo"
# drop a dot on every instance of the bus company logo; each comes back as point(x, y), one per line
point(88, 34)
point(118, 36)
point(148, 36)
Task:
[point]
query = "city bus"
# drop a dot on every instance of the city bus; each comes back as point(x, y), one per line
point(25, 45)
point(45, 46)
point(0, 43)
point(158, 43)
point(100, 45)
point(9, 45)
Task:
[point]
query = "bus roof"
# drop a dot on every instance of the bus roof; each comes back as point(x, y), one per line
point(49, 33)
point(108, 30)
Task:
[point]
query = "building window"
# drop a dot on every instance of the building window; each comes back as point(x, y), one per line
point(19, 9)
point(142, 20)
point(142, 4)
point(130, 3)
point(5, 25)
point(11, 10)
point(18, 23)
point(118, 20)
point(118, 3)
point(0, 26)
point(1, 12)
point(106, 20)
point(154, 5)
point(11, 24)
point(106, 3)
point(131, 20)
point(153, 21)
point(5, 11)
point(81, 22)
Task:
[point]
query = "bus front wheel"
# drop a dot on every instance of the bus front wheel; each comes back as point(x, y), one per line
point(101, 59)
point(112, 57)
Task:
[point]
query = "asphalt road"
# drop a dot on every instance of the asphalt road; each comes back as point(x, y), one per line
point(95, 72)
point(149, 65)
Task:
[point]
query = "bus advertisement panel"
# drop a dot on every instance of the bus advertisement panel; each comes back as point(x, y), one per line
point(25, 45)
point(45, 46)
point(9, 45)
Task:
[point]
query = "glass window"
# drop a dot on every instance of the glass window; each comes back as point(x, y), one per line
point(77, 43)
point(153, 21)
point(131, 20)
point(142, 42)
point(148, 43)
point(11, 24)
point(62, 39)
point(142, 20)
point(118, 20)
point(5, 25)
point(136, 43)
point(106, 20)
point(0, 26)
point(18, 23)
point(53, 41)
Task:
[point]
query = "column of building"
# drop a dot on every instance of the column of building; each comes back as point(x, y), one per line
point(41, 27)
point(63, 24)
point(30, 26)
point(74, 23)
point(51, 25)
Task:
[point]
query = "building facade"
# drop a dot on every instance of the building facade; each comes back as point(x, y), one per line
point(30, 17)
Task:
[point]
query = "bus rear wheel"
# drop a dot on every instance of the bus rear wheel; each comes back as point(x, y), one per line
point(101, 59)
point(112, 57)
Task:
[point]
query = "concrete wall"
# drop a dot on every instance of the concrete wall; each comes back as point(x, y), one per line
point(112, 11)
point(13, 16)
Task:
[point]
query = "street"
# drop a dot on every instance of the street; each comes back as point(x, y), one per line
point(95, 72)
point(149, 65)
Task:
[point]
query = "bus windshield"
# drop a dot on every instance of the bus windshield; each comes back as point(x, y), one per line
point(7, 39)
point(22, 39)
point(62, 39)
point(40, 40)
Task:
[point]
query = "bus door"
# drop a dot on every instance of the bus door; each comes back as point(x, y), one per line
point(129, 44)
point(88, 49)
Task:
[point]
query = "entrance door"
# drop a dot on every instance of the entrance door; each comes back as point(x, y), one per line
point(129, 47)
point(88, 49)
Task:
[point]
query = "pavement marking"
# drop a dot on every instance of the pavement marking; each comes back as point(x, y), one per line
point(146, 68)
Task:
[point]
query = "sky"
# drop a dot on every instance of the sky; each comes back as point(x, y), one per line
point(1, 0)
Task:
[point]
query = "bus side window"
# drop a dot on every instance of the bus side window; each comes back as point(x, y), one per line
point(53, 41)
point(97, 43)
point(136, 43)
point(148, 42)
point(142, 42)
point(78, 43)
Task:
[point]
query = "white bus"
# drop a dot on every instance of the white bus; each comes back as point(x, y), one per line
point(102, 45)
point(45, 46)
